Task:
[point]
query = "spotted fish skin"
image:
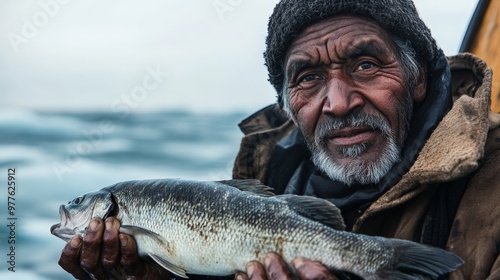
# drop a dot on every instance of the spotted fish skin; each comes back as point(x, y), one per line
point(215, 228)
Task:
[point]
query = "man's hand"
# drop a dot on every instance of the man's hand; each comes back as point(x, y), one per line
point(275, 268)
point(104, 253)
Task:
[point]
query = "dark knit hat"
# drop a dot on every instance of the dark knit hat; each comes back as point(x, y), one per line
point(291, 17)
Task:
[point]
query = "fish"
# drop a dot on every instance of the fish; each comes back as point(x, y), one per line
point(216, 227)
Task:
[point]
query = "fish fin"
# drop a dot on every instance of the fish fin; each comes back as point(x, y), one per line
point(418, 261)
point(317, 209)
point(134, 230)
point(169, 266)
point(251, 185)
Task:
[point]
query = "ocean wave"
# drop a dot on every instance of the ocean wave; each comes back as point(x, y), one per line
point(20, 123)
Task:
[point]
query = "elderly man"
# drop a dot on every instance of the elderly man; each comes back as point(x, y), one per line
point(371, 116)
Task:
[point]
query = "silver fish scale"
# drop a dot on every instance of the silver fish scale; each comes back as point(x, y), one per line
point(218, 229)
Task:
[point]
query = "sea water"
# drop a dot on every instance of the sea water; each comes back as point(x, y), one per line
point(59, 155)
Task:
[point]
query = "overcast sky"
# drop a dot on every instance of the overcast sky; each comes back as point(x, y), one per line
point(199, 55)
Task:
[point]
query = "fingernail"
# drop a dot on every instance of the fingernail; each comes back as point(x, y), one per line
point(109, 224)
point(267, 260)
point(123, 240)
point(93, 224)
point(239, 277)
point(250, 269)
point(75, 242)
point(298, 262)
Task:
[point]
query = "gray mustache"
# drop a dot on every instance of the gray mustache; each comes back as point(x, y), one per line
point(356, 119)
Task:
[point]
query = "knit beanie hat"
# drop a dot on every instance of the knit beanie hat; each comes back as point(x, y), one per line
point(291, 17)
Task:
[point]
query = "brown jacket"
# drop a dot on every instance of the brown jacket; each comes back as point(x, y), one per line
point(465, 143)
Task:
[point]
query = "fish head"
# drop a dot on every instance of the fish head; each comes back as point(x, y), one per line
point(76, 215)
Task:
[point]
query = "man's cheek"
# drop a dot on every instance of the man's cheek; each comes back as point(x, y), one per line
point(304, 126)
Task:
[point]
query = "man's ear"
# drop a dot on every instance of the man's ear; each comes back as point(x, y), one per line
point(421, 86)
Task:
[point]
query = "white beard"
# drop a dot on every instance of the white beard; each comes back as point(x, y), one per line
point(358, 170)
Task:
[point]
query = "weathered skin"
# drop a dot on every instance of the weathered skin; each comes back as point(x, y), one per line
point(211, 228)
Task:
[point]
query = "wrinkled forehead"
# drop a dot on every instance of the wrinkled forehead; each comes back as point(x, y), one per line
point(340, 37)
point(337, 22)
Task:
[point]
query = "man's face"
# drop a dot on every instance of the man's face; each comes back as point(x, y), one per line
point(347, 93)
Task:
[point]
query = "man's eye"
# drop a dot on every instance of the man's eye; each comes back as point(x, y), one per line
point(365, 65)
point(309, 78)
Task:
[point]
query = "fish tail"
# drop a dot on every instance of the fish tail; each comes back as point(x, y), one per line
point(417, 261)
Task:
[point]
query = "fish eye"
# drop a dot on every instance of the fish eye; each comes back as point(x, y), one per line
point(77, 200)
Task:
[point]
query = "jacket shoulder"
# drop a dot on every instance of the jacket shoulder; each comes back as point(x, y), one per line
point(263, 130)
point(269, 117)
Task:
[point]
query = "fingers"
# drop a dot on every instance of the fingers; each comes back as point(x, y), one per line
point(82, 256)
point(129, 256)
point(307, 269)
point(91, 248)
point(134, 267)
point(70, 258)
point(104, 249)
point(111, 243)
point(275, 268)
point(241, 276)
point(256, 271)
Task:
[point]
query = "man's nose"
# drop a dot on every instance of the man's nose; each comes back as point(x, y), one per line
point(341, 97)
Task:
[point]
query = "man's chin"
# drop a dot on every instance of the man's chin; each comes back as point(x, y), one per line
point(365, 168)
point(363, 153)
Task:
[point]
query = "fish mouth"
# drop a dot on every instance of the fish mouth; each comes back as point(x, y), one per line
point(60, 230)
